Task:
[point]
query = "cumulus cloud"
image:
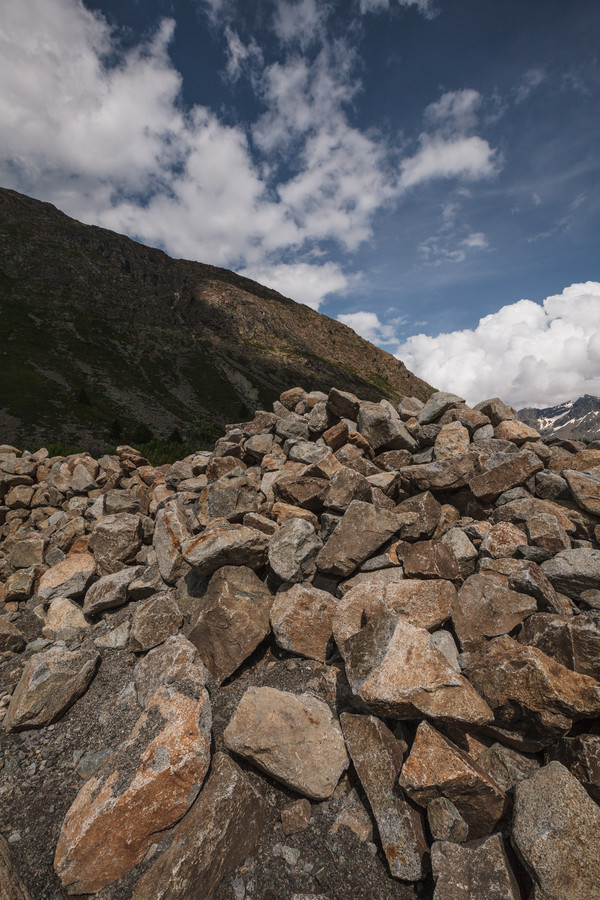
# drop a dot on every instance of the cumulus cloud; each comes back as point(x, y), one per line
point(529, 354)
point(369, 326)
point(305, 282)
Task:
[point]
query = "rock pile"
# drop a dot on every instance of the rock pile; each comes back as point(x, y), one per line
point(351, 652)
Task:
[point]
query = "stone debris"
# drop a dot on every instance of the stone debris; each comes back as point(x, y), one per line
point(332, 570)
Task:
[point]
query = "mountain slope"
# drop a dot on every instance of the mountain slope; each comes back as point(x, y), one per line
point(100, 330)
point(578, 419)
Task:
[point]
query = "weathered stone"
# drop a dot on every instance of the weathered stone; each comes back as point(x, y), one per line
point(233, 620)
point(176, 660)
point(485, 609)
point(293, 551)
point(110, 590)
point(445, 821)
point(573, 571)
point(428, 559)
point(479, 870)
point(283, 512)
point(354, 816)
point(531, 693)
point(515, 431)
point(462, 548)
point(28, 552)
point(496, 410)
point(581, 755)
point(116, 639)
point(453, 440)
point(231, 497)
point(556, 832)
point(515, 471)
point(170, 532)
point(63, 614)
point(573, 642)
point(68, 578)
point(505, 766)
point(342, 404)
point(292, 426)
point(427, 604)
point(585, 490)
point(382, 431)
point(50, 684)
point(19, 586)
point(292, 397)
point(115, 540)
point(396, 672)
point(436, 406)
point(362, 530)
point(225, 544)
point(295, 816)
point(301, 619)
point(438, 768)
point(502, 541)
point(443, 474)
point(301, 490)
point(529, 579)
point(147, 784)
point(10, 639)
point(294, 738)
point(426, 516)
point(520, 511)
point(377, 758)
point(544, 530)
point(345, 486)
point(153, 621)
point(81, 480)
point(11, 885)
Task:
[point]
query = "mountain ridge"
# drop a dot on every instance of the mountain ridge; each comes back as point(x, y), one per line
point(101, 329)
point(577, 419)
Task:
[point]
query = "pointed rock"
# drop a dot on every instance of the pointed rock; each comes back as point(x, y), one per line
point(170, 532)
point(485, 609)
point(362, 530)
point(293, 551)
point(115, 541)
point(175, 660)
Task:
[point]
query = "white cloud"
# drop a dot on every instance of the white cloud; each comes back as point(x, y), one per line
point(239, 55)
point(455, 109)
point(300, 21)
point(368, 326)
point(530, 81)
point(477, 240)
point(305, 282)
point(424, 6)
point(471, 158)
point(529, 354)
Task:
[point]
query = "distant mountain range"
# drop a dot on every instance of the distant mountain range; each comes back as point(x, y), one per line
point(578, 419)
point(104, 339)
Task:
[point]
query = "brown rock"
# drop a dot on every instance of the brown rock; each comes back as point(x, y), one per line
point(573, 571)
point(11, 886)
point(295, 817)
point(217, 834)
point(581, 756)
point(336, 436)
point(515, 431)
point(175, 660)
point(502, 541)
point(115, 541)
point(496, 410)
point(505, 766)
point(545, 531)
point(393, 668)
point(345, 486)
point(362, 530)
point(294, 738)
point(301, 619)
point(377, 758)
point(147, 784)
point(293, 551)
point(427, 604)
point(556, 832)
point(485, 609)
point(301, 490)
point(233, 620)
point(153, 621)
point(63, 614)
point(445, 821)
point(231, 497)
point(50, 684)
point(110, 590)
point(437, 768)
point(68, 578)
point(531, 693)
point(342, 404)
point(515, 471)
point(283, 512)
point(573, 642)
point(224, 544)
point(453, 440)
point(479, 870)
point(585, 490)
point(170, 532)
point(443, 474)
point(28, 552)
point(529, 579)
point(428, 559)
point(427, 512)
point(10, 638)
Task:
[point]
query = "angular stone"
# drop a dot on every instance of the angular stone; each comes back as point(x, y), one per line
point(81, 480)
point(293, 551)
point(224, 544)
point(28, 552)
point(573, 642)
point(293, 738)
point(383, 431)
point(233, 620)
point(428, 559)
point(453, 440)
point(496, 410)
point(531, 693)
point(307, 452)
point(522, 510)
point(505, 766)
point(63, 614)
point(342, 404)
point(231, 497)
point(115, 541)
point(68, 578)
point(153, 621)
point(545, 531)
point(485, 609)
point(396, 672)
point(345, 486)
point(336, 436)
point(175, 660)
point(354, 816)
point(502, 541)
point(170, 532)
point(443, 474)
point(11, 886)
point(301, 619)
point(283, 512)
point(573, 571)
point(581, 756)
point(556, 832)
point(427, 604)
point(292, 426)
point(436, 406)
point(144, 787)
point(445, 821)
point(50, 684)
point(10, 637)
point(438, 768)
point(515, 471)
point(110, 590)
point(295, 817)
point(531, 580)
point(515, 431)
point(362, 530)
point(301, 490)
point(377, 758)
point(19, 586)
point(427, 513)
point(463, 549)
point(479, 870)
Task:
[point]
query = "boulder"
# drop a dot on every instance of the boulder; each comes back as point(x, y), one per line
point(293, 551)
point(170, 532)
point(222, 544)
point(581, 756)
point(68, 578)
point(585, 490)
point(301, 619)
point(491, 483)
point(479, 870)
point(485, 609)
point(110, 590)
point(153, 621)
point(573, 642)
point(115, 541)
point(176, 660)
point(362, 531)
point(436, 406)
point(573, 571)
point(63, 614)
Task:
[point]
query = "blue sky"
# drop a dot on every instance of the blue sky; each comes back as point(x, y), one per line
point(425, 170)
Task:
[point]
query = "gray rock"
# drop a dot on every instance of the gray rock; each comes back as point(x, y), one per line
point(68, 578)
point(436, 406)
point(382, 431)
point(110, 590)
point(177, 660)
point(343, 405)
point(170, 532)
point(573, 571)
point(505, 766)
point(115, 541)
point(153, 621)
point(362, 530)
point(445, 821)
point(479, 870)
point(222, 543)
point(293, 551)
point(231, 497)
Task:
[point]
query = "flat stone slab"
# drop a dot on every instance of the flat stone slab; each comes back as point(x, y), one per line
point(294, 738)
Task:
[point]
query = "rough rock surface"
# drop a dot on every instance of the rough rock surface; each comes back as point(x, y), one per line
point(476, 871)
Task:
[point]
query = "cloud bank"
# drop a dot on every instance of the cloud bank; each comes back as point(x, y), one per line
point(529, 354)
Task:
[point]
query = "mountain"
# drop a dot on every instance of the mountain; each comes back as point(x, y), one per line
point(578, 419)
point(101, 333)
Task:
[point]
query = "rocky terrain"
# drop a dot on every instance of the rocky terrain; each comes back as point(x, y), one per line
point(578, 419)
point(103, 337)
point(352, 652)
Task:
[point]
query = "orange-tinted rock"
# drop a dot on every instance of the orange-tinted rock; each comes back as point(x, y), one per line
point(437, 768)
point(170, 531)
point(362, 530)
point(573, 642)
point(585, 490)
point(68, 578)
point(428, 559)
point(515, 431)
point(115, 541)
point(485, 609)
point(143, 788)
point(515, 471)
point(502, 540)
point(301, 619)
point(581, 756)
point(224, 544)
